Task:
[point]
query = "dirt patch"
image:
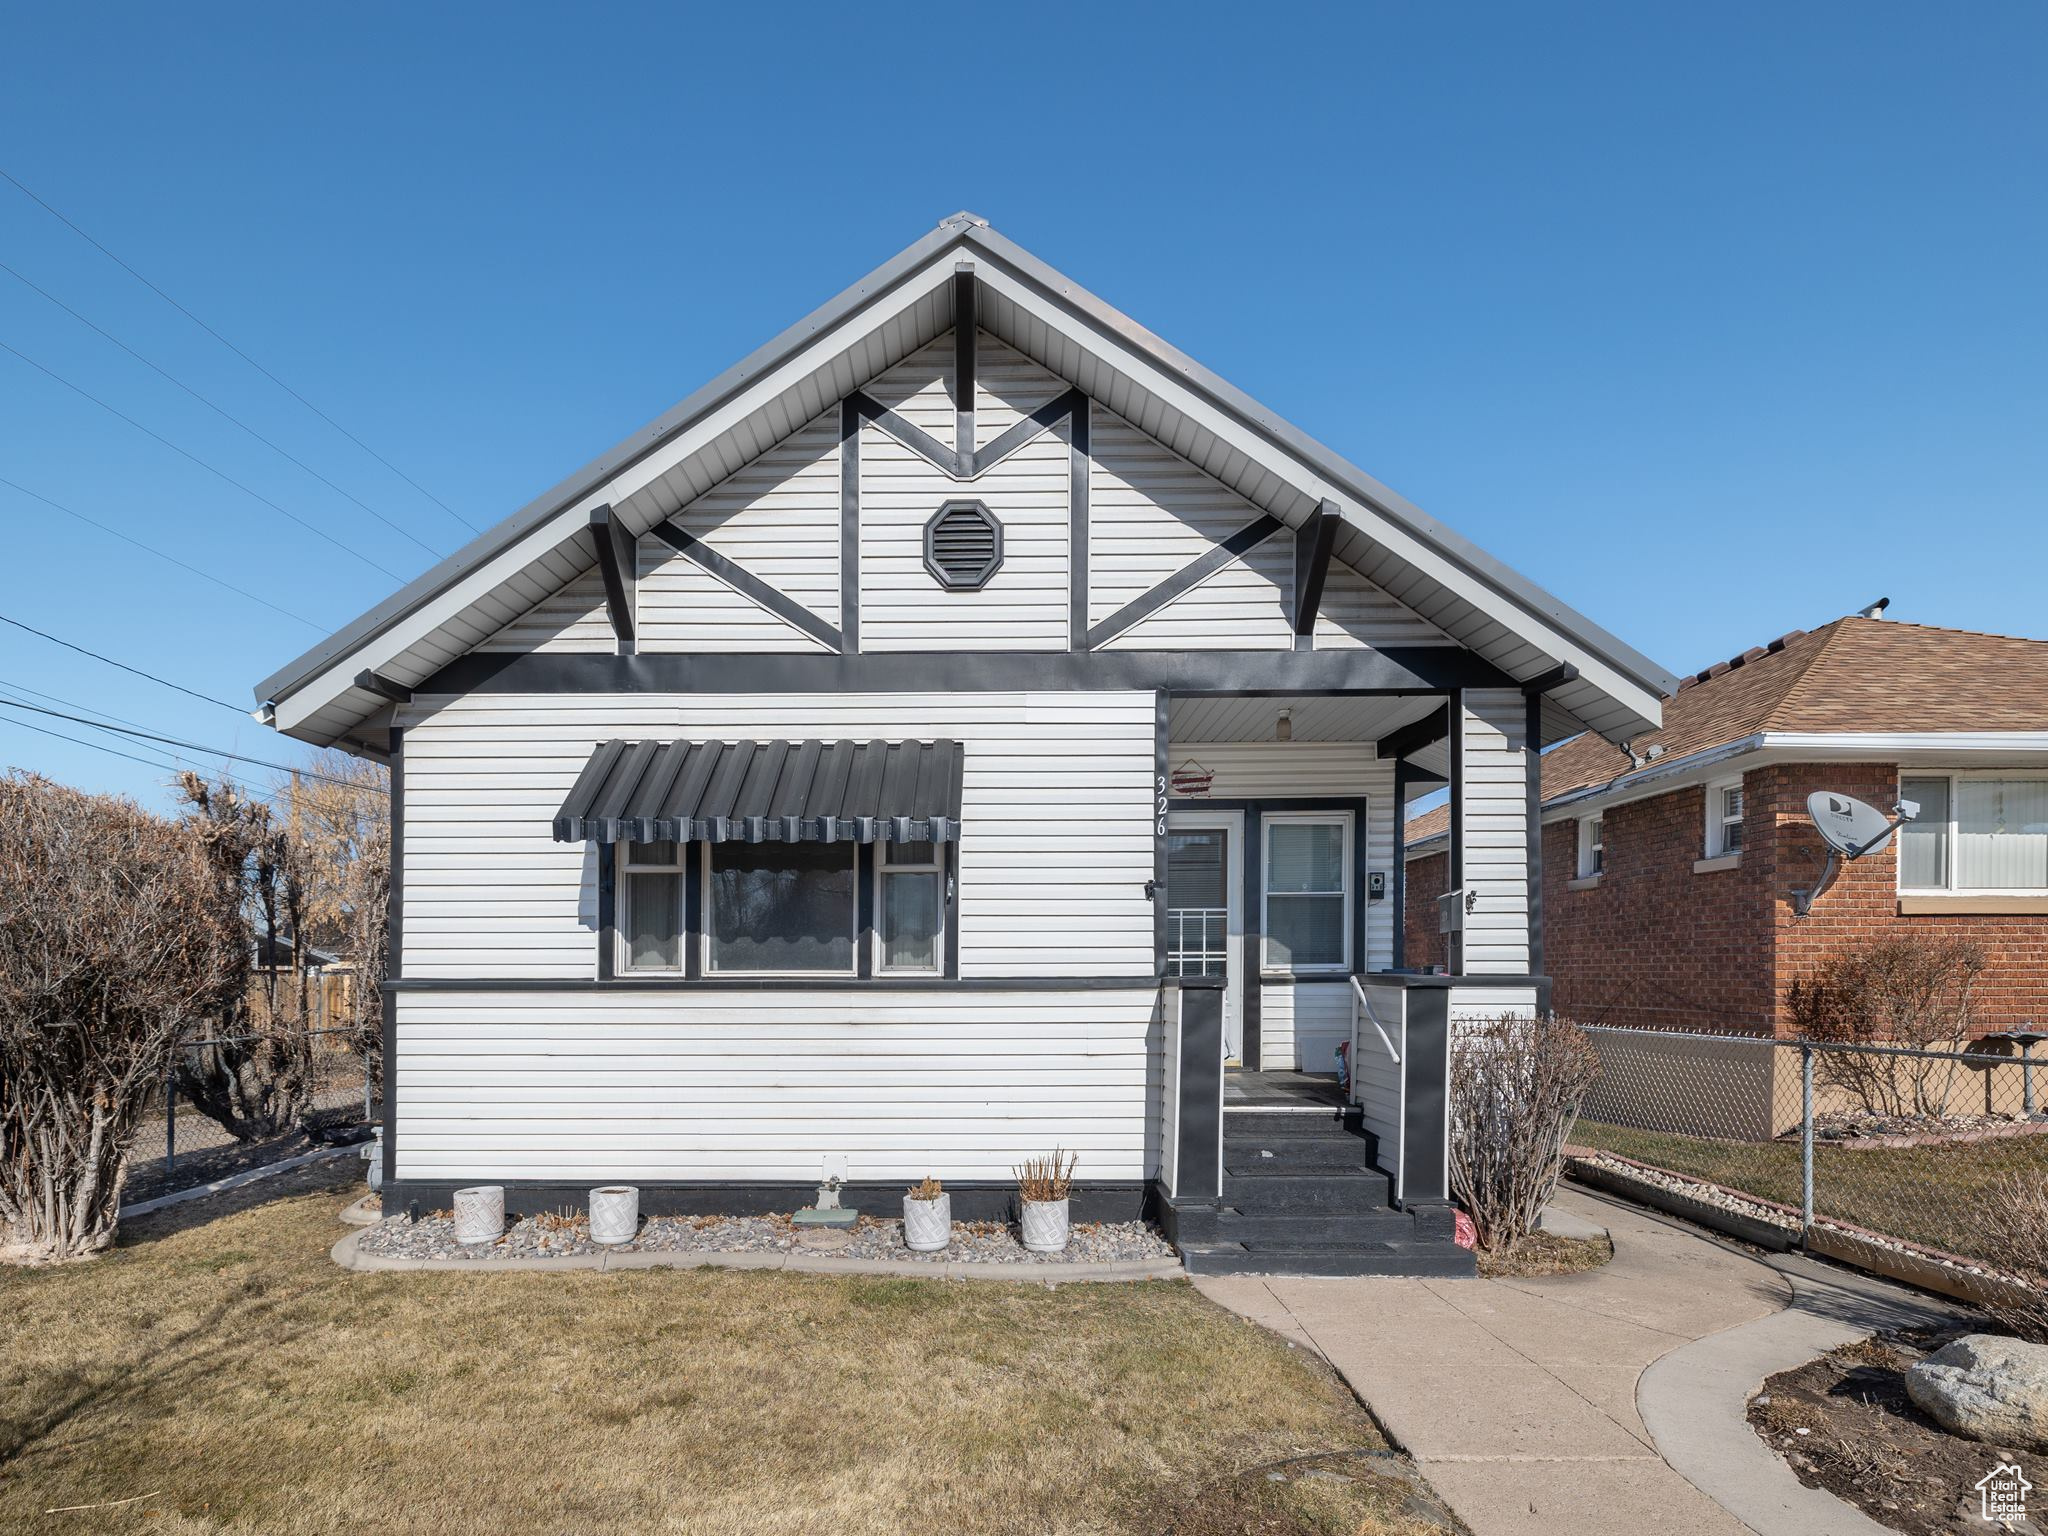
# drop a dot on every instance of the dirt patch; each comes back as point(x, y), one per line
point(1343, 1493)
point(1546, 1253)
point(1844, 1423)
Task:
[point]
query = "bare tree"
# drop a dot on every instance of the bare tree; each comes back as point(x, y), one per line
point(1516, 1087)
point(341, 817)
point(112, 941)
point(1910, 990)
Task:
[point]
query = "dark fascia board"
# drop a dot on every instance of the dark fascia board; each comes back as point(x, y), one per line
point(969, 231)
point(1417, 734)
point(494, 540)
point(1056, 288)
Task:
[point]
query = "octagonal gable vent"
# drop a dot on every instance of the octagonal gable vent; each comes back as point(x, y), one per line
point(963, 545)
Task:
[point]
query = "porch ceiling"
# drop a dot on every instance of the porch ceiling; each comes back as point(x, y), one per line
point(1314, 717)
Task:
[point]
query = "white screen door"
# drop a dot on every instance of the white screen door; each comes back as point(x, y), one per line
point(1205, 908)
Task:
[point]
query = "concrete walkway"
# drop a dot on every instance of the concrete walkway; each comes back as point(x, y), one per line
point(1519, 1400)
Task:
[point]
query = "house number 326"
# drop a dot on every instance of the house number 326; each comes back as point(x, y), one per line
point(1160, 796)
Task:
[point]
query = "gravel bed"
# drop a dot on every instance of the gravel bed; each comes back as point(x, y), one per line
point(550, 1235)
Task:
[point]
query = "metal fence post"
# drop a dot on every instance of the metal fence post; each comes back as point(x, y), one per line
point(1805, 1141)
point(170, 1123)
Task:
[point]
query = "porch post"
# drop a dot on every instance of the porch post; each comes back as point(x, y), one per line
point(1454, 866)
point(1198, 1129)
point(1426, 1116)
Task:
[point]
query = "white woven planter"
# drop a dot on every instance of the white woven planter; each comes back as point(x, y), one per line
point(480, 1213)
point(1044, 1225)
point(614, 1214)
point(927, 1224)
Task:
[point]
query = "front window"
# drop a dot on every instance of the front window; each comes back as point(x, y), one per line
point(650, 907)
point(910, 906)
point(1308, 893)
point(776, 908)
point(1975, 832)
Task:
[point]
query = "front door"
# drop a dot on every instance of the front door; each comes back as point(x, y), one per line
point(1205, 909)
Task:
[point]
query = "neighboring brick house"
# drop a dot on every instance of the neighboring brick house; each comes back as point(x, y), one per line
point(1669, 876)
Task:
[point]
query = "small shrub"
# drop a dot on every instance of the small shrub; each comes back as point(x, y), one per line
point(2013, 1236)
point(1047, 1178)
point(927, 1188)
point(1516, 1087)
point(1910, 990)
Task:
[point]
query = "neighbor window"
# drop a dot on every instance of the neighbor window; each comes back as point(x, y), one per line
point(910, 906)
point(1975, 832)
point(650, 919)
point(779, 907)
point(1308, 893)
point(1592, 846)
point(1724, 818)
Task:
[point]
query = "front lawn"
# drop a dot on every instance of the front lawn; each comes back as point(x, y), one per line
point(1929, 1195)
point(219, 1363)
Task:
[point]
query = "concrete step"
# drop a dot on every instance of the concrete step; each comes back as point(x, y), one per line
point(1273, 1190)
point(1296, 1228)
point(1441, 1260)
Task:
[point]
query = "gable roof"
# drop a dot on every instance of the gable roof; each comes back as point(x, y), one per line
point(1854, 676)
point(900, 306)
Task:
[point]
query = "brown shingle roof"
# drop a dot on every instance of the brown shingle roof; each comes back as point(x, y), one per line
point(1855, 674)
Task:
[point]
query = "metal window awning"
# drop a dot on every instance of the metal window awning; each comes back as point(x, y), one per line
point(765, 792)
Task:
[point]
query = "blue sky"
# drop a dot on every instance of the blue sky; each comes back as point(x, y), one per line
point(1716, 321)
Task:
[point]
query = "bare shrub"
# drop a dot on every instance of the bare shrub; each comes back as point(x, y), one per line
point(2013, 1227)
point(112, 942)
point(1516, 1087)
point(1911, 990)
point(1047, 1178)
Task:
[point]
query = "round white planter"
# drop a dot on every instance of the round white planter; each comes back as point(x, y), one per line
point(614, 1214)
point(927, 1224)
point(480, 1213)
point(1044, 1225)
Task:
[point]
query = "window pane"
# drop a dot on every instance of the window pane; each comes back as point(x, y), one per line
point(643, 854)
point(1304, 856)
point(1731, 836)
point(1195, 867)
point(2001, 834)
point(1923, 842)
point(908, 853)
point(1304, 930)
point(910, 922)
point(653, 922)
point(781, 907)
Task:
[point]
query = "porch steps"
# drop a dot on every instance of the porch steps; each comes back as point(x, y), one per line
point(1301, 1196)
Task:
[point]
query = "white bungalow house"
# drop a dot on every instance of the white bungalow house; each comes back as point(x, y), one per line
point(964, 728)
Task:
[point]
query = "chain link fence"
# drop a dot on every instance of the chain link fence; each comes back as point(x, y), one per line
point(1907, 1146)
point(179, 1146)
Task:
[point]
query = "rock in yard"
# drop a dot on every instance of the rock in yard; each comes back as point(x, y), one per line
point(1987, 1388)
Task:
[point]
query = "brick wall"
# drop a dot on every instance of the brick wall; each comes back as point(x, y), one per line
point(1422, 943)
point(1863, 901)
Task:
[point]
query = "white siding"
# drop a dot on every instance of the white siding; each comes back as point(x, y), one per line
point(571, 618)
point(672, 1086)
point(1023, 606)
point(1478, 1004)
point(1056, 850)
point(1300, 1025)
point(1378, 1081)
point(779, 518)
point(1264, 770)
point(1355, 614)
point(1008, 386)
point(683, 607)
point(1243, 607)
point(1150, 512)
point(1496, 833)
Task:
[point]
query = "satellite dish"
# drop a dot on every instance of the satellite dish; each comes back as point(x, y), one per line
point(1851, 829)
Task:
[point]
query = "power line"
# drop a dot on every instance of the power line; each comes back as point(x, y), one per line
point(149, 549)
point(210, 469)
point(245, 357)
point(137, 671)
point(96, 746)
point(189, 746)
point(219, 410)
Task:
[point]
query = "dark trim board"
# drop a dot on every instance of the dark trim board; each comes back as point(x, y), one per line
point(849, 527)
point(1186, 579)
point(745, 582)
point(1395, 670)
point(654, 982)
point(1313, 542)
point(618, 565)
point(973, 1200)
point(394, 959)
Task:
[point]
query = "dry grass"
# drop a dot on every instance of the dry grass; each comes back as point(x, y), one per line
point(224, 1361)
point(1546, 1253)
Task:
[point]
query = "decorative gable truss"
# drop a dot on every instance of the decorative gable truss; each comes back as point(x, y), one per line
point(1174, 559)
